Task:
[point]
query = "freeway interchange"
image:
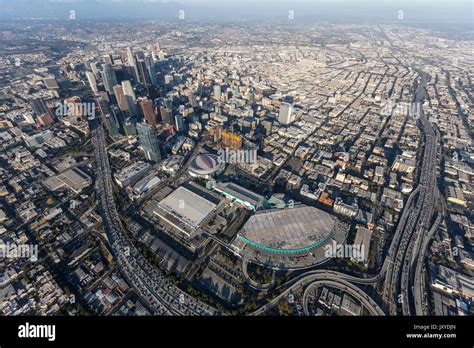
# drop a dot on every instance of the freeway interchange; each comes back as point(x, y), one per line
point(326, 278)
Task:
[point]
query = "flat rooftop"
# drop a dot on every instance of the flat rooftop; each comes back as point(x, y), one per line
point(240, 193)
point(74, 178)
point(187, 206)
point(132, 170)
point(290, 230)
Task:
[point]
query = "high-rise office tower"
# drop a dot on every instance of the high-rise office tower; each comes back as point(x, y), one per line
point(217, 92)
point(112, 124)
point(120, 96)
point(92, 81)
point(143, 72)
point(128, 89)
point(150, 65)
point(108, 59)
point(179, 122)
point(132, 62)
point(149, 141)
point(110, 80)
point(130, 97)
point(139, 55)
point(39, 106)
point(285, 115)
point(148, 110)
point(166, 115)
point(130, 127)
point(95, 69)
point(102, 106)
point(123, 56)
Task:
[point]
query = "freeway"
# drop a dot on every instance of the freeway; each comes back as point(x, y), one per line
point(418, 286)
point(400, 277)
point(161, 296)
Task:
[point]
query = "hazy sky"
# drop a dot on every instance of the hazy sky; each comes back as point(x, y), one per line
point(442, 11)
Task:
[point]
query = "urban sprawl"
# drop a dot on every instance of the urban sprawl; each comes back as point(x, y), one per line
point(192, 168)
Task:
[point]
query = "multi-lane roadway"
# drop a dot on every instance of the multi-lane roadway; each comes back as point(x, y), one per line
point(161, 295)
point(400, 278)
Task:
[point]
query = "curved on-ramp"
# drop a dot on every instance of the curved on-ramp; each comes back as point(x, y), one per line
point(333, 279)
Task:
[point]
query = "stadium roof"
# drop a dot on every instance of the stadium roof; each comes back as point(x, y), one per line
point(291, 230)
point(204, 164)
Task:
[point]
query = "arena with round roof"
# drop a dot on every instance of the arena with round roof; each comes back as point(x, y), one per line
point(289, 237)
point(205, 166)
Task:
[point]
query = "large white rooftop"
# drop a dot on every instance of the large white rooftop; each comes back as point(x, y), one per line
point(188, 206)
